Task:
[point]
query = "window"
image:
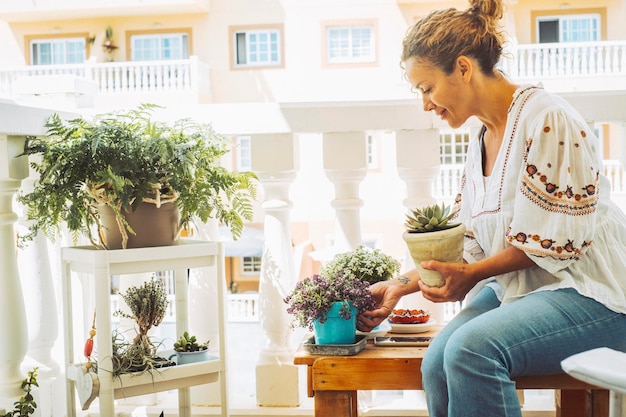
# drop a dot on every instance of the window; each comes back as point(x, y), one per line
point(453, 146)
point(372, 152)
point(569, 28)
point(350, 44)
point(452, 153)
point(159, 46)
point(244, 153)
point(251, 265)
point(58, 51)
point(260, 47)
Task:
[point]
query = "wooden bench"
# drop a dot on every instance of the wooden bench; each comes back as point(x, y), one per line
point(333, 381)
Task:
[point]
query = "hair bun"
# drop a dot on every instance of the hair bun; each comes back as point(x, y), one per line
point(492, 9)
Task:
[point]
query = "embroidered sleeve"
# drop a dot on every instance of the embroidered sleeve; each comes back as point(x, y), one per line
point(555, 209)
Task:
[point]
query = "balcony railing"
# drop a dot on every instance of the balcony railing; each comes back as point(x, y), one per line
point(533, 61)
point(131, 77)
point(576, 59)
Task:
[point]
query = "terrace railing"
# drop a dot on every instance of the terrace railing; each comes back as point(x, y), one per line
point(571, 59)
point(183, 75)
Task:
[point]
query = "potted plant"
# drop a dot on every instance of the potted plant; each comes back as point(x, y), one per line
point(189, 350)
point(115, 165)
point(148, 305)
point(328, 305)
point(366, 264)
point(430, 235)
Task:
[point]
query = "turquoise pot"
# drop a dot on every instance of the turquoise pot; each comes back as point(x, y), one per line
point(336, 330)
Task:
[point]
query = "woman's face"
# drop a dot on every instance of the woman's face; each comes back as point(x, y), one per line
point(446, 95)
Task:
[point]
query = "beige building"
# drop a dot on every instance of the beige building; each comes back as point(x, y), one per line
point(312, 95)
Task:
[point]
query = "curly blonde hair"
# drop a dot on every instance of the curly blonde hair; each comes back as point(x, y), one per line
point(444, 35)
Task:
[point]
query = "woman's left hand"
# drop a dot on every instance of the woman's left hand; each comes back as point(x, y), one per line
point(458, 281)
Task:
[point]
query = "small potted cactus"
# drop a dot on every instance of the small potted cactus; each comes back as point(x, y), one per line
point(430, 235)
point(189, 350)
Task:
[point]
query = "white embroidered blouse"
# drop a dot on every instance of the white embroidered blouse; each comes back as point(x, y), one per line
point(546, 196)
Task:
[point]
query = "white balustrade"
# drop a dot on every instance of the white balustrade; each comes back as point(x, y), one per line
point(17, 122)
point(183, 75)
point(243, 307)
point(571, 59)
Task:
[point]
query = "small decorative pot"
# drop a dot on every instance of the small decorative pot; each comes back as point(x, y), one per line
point(183, 358)
point(336, 330)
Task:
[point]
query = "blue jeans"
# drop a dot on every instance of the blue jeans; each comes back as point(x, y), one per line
point(468, 367)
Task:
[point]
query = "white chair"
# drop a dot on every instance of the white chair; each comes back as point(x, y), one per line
point(605, 368)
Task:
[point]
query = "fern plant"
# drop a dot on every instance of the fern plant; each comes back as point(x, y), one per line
point(122, 159)
point(430, 219)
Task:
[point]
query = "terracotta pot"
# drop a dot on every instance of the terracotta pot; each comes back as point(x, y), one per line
point(444, 245)
point(153, 226)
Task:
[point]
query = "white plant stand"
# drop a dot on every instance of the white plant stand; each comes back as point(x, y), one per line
point(102, 264)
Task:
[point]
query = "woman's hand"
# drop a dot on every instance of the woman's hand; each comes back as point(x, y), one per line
point(458, 281)
point(386, 295)
point(460, 278)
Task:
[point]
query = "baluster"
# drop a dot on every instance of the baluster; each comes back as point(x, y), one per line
point(12, 311)
point(145, 80)
point(117, 79)
point(537, 64)
point(584, 61)
point(552, 63)
point(599, 64)
point(561, 61)
point(203, 316)
point(345, 162)
point(153, 78)
point(419, 179)
point(38, 285)
point(612, 58)
point(274, 161)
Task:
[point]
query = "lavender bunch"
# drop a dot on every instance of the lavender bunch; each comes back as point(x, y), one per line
point(312, 298)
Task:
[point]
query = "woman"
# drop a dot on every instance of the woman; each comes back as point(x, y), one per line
point(544, 275)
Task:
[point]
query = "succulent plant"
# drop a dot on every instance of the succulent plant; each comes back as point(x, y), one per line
point(430, 219)
point(188, 343)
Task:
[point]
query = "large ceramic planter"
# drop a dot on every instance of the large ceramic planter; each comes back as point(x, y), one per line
point(443, 245)
point(336, 330)
point(154, 226)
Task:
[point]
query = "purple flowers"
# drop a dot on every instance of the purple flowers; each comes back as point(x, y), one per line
point(312, 297)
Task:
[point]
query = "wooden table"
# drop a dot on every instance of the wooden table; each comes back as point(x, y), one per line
point(333, 381)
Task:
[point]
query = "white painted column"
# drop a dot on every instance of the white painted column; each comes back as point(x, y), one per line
point(274, 161)
point(345, 162)
point(12, 311)
point(418, 166)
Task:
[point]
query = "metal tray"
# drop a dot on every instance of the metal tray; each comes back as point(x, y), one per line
point(335, 350)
